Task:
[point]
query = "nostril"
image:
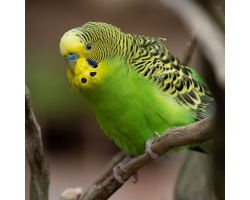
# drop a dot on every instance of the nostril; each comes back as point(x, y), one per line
point(84, 80)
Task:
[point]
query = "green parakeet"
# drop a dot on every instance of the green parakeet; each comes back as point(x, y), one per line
point(134, 85)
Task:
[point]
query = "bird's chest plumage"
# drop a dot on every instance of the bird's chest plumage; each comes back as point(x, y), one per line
point(129, 121)
point(128, 107)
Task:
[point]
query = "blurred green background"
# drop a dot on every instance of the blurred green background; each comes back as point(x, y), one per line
point(75, 147)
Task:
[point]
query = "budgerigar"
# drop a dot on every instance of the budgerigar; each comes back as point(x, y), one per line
point(134, 85)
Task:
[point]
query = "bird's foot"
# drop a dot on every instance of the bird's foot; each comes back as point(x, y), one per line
point(116, 174)
point(149, 151)
point(121, 165)
point(136, 177)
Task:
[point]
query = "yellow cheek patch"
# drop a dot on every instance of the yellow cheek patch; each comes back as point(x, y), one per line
point(84, 75)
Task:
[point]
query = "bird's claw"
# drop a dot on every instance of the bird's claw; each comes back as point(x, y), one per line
point(121, 165)
point(136, 176)
point(116, 174)
point(149, 151)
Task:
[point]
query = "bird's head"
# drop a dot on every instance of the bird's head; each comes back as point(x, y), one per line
point(84, 48)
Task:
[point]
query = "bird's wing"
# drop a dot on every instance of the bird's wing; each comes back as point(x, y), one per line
point(154, 61)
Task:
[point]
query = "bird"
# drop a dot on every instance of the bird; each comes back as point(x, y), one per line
point(136, 87)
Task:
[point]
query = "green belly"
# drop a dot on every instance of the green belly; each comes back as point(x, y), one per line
point(130, 108)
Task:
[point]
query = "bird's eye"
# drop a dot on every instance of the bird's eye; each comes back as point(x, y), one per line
point(72, 57)
point(89, 47)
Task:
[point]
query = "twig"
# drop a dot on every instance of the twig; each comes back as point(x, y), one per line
point(39, 169)
point(174, 137)
point(108, 170)
point(71, 194)
point(190, 51)
point(207, 32)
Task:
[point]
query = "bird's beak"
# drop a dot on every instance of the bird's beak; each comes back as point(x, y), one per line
point(72, 64)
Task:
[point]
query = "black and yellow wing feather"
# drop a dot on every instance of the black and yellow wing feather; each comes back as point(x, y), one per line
point(154, 61)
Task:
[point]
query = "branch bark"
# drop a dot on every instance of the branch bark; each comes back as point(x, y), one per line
point(39, 169)
point(195, 133)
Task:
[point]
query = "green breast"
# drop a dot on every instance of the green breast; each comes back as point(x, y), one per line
point(130, 107)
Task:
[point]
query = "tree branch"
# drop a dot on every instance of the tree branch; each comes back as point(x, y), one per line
point(108, 170)
point(39, 169)
point(195, 133)
point(71, 194)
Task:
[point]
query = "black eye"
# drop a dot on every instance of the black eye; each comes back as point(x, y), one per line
point(89, 47)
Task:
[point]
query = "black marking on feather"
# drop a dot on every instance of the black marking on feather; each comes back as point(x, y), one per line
point(173, 92)
point(159, 80)
point(136, 64)
point(194, 81)
point(146, 54)
point(132, 54)
point(177, 67)
point(147, 71)
point(167, 87)
point(200, 87)
point(205, 88)
point(179, 87)
point(166, 61)
point(141, 69)
point(142, 66)
point(162, 54)
point(92, 74)
point(162, 84)
point(152, 71)
point(184, 70)
point(174, 77)
point(165, 77)
point(188, 84)
point(156, 53)
point(188, 99)
point(84, 37)
point(84, 80)
point(136, 48)
point(180, 98)
point(209, 95)
point(171, 56)
point(131, 48)
point(179, 62)
point(192, 94)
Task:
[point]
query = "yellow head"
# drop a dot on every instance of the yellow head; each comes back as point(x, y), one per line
point(85, 48)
